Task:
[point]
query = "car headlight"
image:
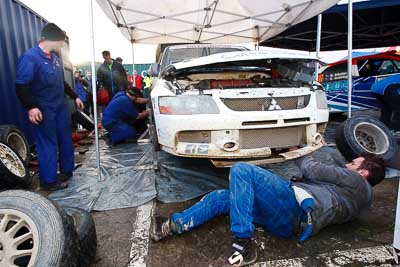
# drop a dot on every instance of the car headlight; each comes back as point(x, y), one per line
point(187, 105)
point(322, 102)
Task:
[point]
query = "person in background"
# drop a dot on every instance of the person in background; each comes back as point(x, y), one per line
point(111, 75)
point(40, 87)
point(138, 80)
point(121, 115)
point(130, 79)
point(87, 83)
point(323, 196)
point(81, 91)
point(147, 84)
point(119, 60)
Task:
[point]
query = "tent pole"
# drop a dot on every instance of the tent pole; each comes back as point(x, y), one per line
point(350, 56)
point(133, 64)
point(95, 95)
point(318, 45)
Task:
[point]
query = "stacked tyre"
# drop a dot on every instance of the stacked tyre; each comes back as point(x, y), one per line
point(36, 232)
point(14, 158)
point(362, 135)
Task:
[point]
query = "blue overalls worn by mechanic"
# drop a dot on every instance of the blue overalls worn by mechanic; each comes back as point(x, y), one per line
point(53, 133)
point(119, 117)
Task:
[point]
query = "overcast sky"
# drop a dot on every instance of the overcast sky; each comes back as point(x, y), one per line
point(73, 16)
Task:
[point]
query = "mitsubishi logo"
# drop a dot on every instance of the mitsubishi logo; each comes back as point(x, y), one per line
point(273, 105)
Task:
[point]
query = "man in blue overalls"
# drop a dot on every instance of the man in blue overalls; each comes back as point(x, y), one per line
point(40, 87)
point(121, 115)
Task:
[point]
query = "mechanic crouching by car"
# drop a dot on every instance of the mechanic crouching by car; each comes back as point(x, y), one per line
point(323, 196)
point(121, 118)
point(40, 87)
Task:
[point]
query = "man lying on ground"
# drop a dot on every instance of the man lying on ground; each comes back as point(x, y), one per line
point(324, 195)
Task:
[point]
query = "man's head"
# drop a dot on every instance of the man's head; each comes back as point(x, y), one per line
point(107, 57)
point(119, 60)
point(77, 74)
point(88, 73)
point(371, 168)
point(53, 36)
point(133, 93)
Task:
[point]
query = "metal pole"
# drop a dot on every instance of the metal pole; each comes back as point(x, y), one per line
point(133, 64)
point(396, 241)
point(350, 56)
point(95, 95)
point(318, 45)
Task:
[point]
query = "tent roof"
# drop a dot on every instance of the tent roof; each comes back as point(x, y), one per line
point(376, 23)
point(206, 21)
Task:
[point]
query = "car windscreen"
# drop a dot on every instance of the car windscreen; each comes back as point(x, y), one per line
point(182, 54)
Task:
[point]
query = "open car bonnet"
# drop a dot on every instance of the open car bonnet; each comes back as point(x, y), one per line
point(243, 61)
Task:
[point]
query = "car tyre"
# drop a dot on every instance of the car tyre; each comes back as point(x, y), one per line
point(13, 137)
point(86, 230)
point(83, 119)
point(365, 135)
point(35, 231)
point(13, 171)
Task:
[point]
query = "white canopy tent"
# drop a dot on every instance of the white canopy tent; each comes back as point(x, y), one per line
point(206, 21)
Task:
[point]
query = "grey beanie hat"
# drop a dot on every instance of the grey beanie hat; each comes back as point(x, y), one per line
point(52, 32)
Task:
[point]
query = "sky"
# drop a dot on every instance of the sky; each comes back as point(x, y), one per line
point(73, 16)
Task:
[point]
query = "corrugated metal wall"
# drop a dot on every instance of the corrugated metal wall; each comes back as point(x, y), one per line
point(19, 30)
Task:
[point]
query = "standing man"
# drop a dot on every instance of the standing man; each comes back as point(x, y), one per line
point(324, 195)
point(111, 75)
point(121, 116)
point(40, 87)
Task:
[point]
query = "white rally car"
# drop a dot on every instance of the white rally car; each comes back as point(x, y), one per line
point(247, 105)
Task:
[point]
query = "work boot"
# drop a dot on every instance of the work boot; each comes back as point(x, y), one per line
point(54, 186)
point(63, 177)
point(161, 228)
point(242, 252)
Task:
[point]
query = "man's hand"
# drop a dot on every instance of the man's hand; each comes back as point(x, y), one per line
point(143, 114)
point(79, 103)
point(35, 116)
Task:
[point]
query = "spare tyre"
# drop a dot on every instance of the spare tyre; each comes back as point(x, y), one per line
point(86, 230)
point(365, 135)
point(83, 119)
point(13, 137)
point(35, 232)
point(13, 171)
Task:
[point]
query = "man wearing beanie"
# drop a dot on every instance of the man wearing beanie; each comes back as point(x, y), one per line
point(121, 115)
point(41, 87)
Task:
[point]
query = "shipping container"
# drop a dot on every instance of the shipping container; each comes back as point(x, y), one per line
point(20, 29)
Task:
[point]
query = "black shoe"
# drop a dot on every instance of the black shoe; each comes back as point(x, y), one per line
point(160, 228)
point(242, 252)
point(54, 186)
point(63, 177)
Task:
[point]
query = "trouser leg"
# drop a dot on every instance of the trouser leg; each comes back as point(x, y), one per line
point(66, 148)
point(46, 147)
point(211, 205)
point(121, 131)
point(258, 195)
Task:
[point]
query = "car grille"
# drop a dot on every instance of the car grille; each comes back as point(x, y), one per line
point(273, 138)
point(263, 104)
point(195, 137)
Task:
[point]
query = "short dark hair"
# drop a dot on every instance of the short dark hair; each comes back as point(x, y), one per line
point(375, 165)
point(106, 53)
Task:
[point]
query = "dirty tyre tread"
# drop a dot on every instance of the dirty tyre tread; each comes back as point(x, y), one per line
point(8, 180)
point(86, 231)
point(58, 238)
point(6, 130)
point(84, 120)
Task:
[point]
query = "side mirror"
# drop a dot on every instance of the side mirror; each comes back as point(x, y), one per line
point(154, 69)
